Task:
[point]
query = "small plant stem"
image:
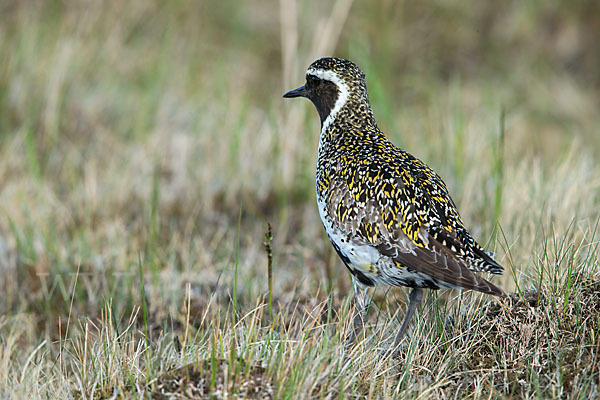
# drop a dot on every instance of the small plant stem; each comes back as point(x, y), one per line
point(268, 248)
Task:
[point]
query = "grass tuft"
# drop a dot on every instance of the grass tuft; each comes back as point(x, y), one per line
point(131, 133)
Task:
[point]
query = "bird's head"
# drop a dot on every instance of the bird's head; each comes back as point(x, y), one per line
point(330, 84)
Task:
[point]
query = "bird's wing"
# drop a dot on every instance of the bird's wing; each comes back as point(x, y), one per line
point(440, 219)
point(390, 212)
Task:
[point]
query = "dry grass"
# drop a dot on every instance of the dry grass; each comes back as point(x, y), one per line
point(133, 133)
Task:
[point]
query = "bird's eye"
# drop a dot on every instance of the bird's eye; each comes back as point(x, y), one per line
point(313, 80)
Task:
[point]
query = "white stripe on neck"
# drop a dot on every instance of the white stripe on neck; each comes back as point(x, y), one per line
point(343, 93)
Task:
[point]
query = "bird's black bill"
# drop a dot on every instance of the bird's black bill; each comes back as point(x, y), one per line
point(300, 92)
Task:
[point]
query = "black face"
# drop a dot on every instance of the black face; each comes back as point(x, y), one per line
point(321, 92)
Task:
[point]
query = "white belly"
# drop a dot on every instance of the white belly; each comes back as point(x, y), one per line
point(362, 256)
point(365, 258)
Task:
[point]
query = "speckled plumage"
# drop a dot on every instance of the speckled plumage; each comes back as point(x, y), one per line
point(388, 215)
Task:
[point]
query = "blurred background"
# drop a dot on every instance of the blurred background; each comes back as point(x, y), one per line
point(155, 132)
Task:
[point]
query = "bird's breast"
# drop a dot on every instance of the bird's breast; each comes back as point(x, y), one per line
point(361, 256)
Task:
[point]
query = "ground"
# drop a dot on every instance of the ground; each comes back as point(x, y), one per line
point(145, 148)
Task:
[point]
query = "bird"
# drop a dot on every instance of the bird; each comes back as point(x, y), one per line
point(389, 216)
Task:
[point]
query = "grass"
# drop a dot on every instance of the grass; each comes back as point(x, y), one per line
point(145, 149)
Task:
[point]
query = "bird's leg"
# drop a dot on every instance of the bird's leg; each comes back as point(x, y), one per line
point(361, 301)
point(414, 300)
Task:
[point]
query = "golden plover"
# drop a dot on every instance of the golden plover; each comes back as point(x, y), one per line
point(388, 215)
